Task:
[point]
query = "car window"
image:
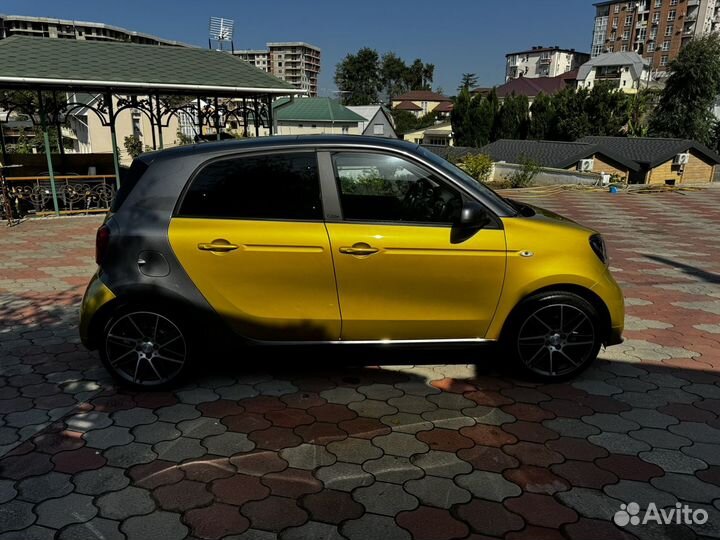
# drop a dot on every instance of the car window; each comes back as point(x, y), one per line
point(272, 186)
point(382, 187)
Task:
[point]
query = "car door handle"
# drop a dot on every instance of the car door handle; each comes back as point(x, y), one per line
point(359, 249)
point(218, 246)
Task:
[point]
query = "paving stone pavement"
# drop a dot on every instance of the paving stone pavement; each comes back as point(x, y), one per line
point(400, 445)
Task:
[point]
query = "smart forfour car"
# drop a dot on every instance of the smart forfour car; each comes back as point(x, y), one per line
point(337, 240)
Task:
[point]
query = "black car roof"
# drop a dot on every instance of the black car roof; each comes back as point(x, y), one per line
point(280, 140)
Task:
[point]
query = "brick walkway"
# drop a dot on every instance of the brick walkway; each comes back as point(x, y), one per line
point(429, 452)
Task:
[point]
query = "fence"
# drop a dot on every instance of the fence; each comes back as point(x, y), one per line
point(76, 194)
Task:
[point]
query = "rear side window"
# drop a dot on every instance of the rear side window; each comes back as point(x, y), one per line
point(128, 182)
point(272, 186)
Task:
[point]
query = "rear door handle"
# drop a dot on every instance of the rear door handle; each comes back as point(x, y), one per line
point(218, 246)
point(359, 249)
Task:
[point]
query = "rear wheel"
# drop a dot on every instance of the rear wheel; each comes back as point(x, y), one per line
point(554, 336)
point(145, 348)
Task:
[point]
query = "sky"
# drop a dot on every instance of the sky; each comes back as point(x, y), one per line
point(461, 36)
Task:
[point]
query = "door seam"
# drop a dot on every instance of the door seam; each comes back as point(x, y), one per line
point(337, 287)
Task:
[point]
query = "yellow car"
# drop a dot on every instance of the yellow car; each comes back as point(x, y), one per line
point(342, 241)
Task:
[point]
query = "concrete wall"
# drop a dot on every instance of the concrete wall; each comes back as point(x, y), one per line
point(547, 176)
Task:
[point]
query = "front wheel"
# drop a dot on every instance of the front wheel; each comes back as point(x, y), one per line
point(145, 348)
point(553, 336)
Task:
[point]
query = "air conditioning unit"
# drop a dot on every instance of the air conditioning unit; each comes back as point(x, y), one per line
point(682, 159)
point(586, 165)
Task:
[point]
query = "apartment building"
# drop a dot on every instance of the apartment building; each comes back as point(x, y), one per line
point(45, 27)
point(655, 29)
point(543, 62)
point(296, 62)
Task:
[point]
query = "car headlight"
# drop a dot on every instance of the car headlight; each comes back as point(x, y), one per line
point(597, 243)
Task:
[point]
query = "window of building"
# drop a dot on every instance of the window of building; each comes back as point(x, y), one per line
point(664, 60)
point(617, 8)
point(630, 5)
point(378, 129)
point(615, 21)
point(666, 46)
point(658, 3)
point(628, 20)
point(653, 33)
point(381, 187)
point(273, 186)
point(626, 35)
point(671, 15)
point(673, 2)
point(624, 48)
point(656, 17)
point(651, 47)
point(345, 130)
point(668, 30)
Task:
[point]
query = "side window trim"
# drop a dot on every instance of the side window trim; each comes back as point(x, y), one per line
point(249, 154)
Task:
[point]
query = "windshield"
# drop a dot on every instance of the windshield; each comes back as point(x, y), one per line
point(469, 182)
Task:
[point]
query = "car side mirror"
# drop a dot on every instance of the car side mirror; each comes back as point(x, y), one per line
point(473, 217)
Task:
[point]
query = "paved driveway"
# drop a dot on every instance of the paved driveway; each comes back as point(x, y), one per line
point(433, 451)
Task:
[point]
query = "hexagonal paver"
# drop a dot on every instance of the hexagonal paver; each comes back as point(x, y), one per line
point(157, 525)
point(400, 444)
point(488, 485)
point(228, 444)
point(343, 476)
point(439, 492)
point(95, 529)
point(47, 486)
point(16, 515)
point(371, 526)
point(307, 456)
point(437, 463)
point(352, 450)
point(385, 499)
point(130, 501)
point(72, 508)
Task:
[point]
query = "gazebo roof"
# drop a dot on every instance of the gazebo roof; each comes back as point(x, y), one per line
point(128, 67)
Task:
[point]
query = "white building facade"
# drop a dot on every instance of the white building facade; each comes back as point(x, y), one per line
point(543, 62)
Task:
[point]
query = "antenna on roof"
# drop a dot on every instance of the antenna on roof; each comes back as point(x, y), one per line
point(221, 32)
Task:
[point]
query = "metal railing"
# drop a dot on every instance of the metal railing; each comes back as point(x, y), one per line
point(76, 194)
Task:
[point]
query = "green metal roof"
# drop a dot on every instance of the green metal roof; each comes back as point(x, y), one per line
point(320, 109)
point(60, 63)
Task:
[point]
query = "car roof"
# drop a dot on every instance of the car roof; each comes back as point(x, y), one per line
point(280, 141)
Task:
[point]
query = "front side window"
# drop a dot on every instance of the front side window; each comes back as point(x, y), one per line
point(272, 186)
point(385, 188)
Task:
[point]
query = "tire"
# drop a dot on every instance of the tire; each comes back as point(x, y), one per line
point(146, 348)
point(553, 336)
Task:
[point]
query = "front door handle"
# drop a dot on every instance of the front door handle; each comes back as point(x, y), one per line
point(359, 249)
point(218, 246)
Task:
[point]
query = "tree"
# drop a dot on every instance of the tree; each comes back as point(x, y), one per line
point(469, 81)
point(685, 107)
point(607, 109)
point(419, 76)
point(542, 114)
point(462, 118)
point(358, 77)
point(512, 118)
point(639, 109)
point(405, 121)
point(392, 75)
point(570, 121)
point(133, 146)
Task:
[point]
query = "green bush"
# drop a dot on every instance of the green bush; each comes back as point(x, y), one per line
point(524, 176)
point(479, 166)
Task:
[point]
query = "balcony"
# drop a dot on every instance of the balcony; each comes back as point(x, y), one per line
point(545, 61)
